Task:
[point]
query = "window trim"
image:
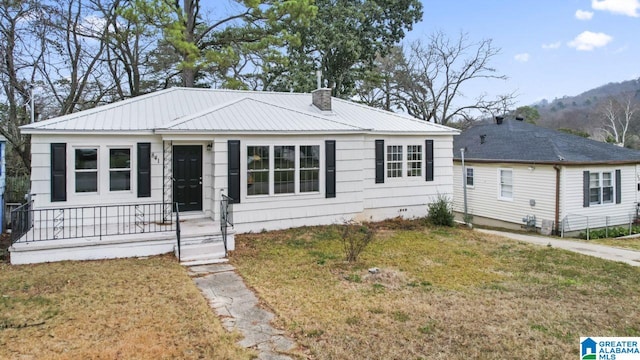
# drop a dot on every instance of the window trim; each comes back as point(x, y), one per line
point(130, 168)
point(76, 170)
point(500, 196)
point(419, 161)
point(271, 170)
point(473, 177)
point(601, 188)
point(404, 169)
point(399, 171)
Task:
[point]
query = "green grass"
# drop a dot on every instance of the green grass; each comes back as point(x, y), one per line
point(446, 291)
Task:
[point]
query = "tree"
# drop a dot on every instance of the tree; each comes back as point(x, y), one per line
point(617, 116)
point(434, 74)
point(528, 113)
point(214, 47)
point(344, 40)
point(19, 20)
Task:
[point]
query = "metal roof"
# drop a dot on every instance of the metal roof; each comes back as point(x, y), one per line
point(517, 141)
point(209, 110)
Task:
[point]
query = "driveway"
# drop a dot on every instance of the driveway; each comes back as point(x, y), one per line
point(630, 257)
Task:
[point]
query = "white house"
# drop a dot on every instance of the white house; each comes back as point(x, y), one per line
point(284, 159)
point(519, 174)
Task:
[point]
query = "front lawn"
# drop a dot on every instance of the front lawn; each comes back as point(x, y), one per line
point(441, 293)
point(115, 309)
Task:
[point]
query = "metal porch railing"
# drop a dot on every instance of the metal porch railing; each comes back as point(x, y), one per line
point(226, 218)
point(30, 225)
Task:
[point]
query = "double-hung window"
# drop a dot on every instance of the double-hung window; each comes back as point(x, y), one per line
point(469, 177)
point(309, 168)
point(394, 161)
point(506, 184)
point(257, 170)
point(284, 169)
point(86, 170)
point(119, 169)
point(600, 188)
point(414, 160)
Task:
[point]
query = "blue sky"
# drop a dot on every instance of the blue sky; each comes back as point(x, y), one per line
point(548, 48)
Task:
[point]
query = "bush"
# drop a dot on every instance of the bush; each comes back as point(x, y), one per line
point(440, 212)
point(355, 238)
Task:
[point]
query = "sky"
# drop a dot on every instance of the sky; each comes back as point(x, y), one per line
point(549, 48)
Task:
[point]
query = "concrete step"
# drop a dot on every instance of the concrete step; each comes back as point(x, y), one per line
point(201, 249)
point(204, 262)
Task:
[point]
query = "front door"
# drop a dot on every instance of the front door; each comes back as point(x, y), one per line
point(187, 177)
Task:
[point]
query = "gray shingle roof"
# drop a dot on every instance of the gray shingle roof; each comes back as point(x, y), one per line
point(206, 110)
point(517, 141)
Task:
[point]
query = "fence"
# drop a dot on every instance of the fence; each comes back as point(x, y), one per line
point(89, 221)
point(579, 223)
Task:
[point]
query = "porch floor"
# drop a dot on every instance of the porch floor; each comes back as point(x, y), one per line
point(111, 246)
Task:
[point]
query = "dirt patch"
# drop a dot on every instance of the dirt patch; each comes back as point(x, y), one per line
point(389, 278)
point(5, 242)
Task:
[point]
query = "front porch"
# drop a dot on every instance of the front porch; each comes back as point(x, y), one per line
point(118, 231)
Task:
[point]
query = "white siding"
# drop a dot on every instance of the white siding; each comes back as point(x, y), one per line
point(41, 173)
point(537, 184)
point(357, 194)
point(255, 213)
point(572, 203)
point(406, 196)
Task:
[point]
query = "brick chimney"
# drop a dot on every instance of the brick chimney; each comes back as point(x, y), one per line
point(321, 98)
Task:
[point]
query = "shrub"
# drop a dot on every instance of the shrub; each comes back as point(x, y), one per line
point(355, 238)
point(440, 212)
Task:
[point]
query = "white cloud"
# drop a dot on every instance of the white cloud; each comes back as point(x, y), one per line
point(588, 41)
point(621, 7)
point(524, 57)
point(583, 15)
point(552, 46)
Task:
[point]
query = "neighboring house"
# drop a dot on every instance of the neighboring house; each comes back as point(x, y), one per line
point(519, 174)
point(285, 160)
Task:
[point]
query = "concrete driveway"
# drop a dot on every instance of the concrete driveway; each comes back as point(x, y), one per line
point(630, 257)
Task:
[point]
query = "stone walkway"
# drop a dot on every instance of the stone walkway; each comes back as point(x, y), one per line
point(238, 308)
point(630, 257)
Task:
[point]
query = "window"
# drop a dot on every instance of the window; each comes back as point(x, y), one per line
point(309, 168)
point(86, 169)
point(257, 170)
point(119, 169)
point(600, 188)
point(506, 184)
point(469, 177)
point(293, 169)
point(284, 181)
point(394, 161)
point(414, 160)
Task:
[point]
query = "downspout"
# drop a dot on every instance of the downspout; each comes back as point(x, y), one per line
point(557, 219)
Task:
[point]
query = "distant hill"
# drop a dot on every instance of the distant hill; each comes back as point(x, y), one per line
point(581, 112)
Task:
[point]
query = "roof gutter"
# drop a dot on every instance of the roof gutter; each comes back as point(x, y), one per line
point(544, 162)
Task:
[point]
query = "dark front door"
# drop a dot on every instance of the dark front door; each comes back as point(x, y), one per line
point(187, 175)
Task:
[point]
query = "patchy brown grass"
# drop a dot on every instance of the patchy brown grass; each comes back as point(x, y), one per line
point(625, 243)
point(115, 309)
point(441, 293)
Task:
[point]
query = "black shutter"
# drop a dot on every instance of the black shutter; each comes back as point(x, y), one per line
point(330, 168)
point(233, 173)
point(618, 187)
point(144, 170)
point(585, 189)
point(58, 172)
point(429, 160)
point(379, 161)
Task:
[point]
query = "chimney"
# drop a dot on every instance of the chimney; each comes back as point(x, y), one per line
point(321, 98)
point(499, 120)
point(519, 118)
